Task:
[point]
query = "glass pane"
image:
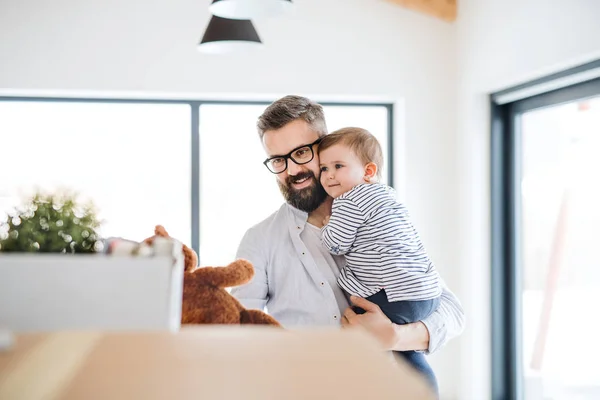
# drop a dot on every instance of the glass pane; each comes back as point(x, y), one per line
point(131, 160)
point(560, 270)
point(236, 189)
point(239, 192)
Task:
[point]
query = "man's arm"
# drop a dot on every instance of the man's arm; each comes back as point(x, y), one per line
point(428, 335)
point(254, 294)
point(445, 323)
point(339, 234)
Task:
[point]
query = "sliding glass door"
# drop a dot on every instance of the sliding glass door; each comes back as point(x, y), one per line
point(560, 222)
point(546, 238)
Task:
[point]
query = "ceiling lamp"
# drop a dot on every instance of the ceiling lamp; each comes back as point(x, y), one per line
point(249, 9)
point(225, 35)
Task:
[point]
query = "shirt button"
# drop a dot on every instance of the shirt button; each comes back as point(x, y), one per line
point(322, 283)
point(302, 253)
point(298, 227)
point(335, 317)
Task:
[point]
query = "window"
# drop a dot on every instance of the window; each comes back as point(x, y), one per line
point(546, 275)
point(148, 162)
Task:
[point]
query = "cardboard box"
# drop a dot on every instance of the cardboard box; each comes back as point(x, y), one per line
point(205, 362)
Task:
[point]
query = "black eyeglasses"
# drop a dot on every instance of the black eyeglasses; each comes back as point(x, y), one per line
point(300, 155)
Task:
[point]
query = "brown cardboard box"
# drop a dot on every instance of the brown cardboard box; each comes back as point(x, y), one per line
point(212, 362)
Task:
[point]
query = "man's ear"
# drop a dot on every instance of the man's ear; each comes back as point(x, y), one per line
point(370, 172)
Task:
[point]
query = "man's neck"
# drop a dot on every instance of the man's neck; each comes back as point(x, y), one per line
point(317, 216)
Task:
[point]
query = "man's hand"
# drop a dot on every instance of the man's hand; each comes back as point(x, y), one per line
point(407, 337)
point(373, 320)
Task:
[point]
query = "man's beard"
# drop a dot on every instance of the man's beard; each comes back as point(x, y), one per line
point(307, 199)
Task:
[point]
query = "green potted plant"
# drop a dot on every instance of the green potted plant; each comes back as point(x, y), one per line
point(51, 223)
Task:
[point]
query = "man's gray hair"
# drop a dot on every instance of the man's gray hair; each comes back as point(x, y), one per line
point(290, 108)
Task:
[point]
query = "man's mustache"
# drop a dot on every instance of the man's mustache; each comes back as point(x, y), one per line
point(300, 176)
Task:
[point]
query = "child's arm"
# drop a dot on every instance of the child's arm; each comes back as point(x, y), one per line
point(339, 234)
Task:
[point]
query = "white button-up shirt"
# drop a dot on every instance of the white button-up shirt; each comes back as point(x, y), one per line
point(291, 287)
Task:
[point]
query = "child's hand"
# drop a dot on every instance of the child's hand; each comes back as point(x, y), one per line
point(326, 220)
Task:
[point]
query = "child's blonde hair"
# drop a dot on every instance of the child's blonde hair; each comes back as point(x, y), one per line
point(360, 141)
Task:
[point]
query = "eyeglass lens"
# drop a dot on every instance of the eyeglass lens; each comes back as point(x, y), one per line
point(302, 155)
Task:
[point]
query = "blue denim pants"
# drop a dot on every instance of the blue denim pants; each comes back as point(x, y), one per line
point(406, 312)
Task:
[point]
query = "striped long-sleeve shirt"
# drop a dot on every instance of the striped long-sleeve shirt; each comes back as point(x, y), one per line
point(383, 250)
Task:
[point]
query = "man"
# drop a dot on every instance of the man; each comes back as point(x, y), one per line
point(295, 276)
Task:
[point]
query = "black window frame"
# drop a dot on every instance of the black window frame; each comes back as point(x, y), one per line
point(195, 106)
point(578, 83)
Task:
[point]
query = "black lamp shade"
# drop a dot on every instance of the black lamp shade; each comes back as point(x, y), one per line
point(224, 35)
point(249, 9)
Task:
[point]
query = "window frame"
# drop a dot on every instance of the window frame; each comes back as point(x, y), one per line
point(506, 108)
point(195, 106)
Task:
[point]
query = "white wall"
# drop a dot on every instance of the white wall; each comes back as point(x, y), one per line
point(365, 49)
point(500, 44)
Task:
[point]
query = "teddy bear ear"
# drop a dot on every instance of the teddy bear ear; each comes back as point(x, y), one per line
point(160, 230)
point(190, 259)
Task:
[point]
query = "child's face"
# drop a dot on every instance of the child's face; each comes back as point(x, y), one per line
point(341, 170)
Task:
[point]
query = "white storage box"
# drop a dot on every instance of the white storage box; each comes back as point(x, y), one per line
point(50, 292)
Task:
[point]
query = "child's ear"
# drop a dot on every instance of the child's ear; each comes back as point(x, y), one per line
point(370, 172)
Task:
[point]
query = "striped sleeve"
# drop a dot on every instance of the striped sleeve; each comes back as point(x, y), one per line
point(339, 234)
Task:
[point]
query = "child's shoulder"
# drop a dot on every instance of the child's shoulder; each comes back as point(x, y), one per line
point(369, 189)
point(377, 188)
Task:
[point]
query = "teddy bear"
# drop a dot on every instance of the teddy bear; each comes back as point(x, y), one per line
point(205, 300)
